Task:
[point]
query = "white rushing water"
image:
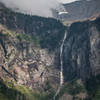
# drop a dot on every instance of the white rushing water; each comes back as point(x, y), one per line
point(61, 60)
point(61, 65)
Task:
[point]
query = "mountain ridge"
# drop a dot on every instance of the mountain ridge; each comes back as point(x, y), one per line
point(80, 10)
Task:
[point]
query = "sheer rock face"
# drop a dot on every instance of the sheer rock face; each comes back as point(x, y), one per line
point(29, 48)
point(29, 65)
point(81, 51)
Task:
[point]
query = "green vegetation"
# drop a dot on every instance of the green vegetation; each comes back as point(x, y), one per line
point(72, 88)
point(20, 36)
point(93, 87)
point(9, 90)
point(97, 95)
point(2, 97)
point(27, 37)
point(42, 39)
point(46, 31)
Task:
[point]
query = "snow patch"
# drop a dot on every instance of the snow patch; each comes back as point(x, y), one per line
point(60, 13)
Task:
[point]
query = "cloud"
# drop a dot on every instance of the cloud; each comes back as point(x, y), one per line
point(34, 7)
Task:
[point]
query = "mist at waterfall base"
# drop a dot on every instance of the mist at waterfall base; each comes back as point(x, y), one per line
point(34, 7)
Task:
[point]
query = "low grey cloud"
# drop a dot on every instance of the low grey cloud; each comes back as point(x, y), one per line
point(34, 7)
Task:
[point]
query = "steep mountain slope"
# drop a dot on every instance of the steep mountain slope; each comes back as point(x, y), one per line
point(82, 55)
point(81, 52)
point(30, 58)
point(33, 25)
point(29, 55)
point(80, 10)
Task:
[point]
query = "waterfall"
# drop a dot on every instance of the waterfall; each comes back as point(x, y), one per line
point(61, 65)
point(61, 60)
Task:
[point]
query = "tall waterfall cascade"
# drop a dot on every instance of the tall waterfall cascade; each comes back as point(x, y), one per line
point(61, 60)
point(61, 65)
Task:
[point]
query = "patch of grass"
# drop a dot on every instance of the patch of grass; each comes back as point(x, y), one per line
point(2, 97)
point(26, 37)
point(12, 91)
point(29, 38)
point(21, 36)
